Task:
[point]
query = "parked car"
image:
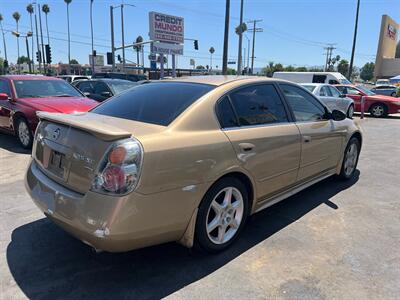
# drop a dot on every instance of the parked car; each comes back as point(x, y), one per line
point(102, 89)
point(380, 82)
point(185, 160)
point(313, 77)
point(72, 78)
point(388, 90)
point(115, 75)
point(377, 105)
point(22, 96)
point(332, 98)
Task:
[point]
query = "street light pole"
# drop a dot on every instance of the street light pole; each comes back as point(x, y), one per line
point(41, 37)
point(27, 52)
point(254, 30)
point(354, 41)
point(37, 42)
point(239, 65)
point(91, 30)
point(123, 37)
point(112, 37)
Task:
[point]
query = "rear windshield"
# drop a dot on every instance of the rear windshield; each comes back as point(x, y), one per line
point(311, 88)
point(121, 85)
point(44, 88)
point(157, 103)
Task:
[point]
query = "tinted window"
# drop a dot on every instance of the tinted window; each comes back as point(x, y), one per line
point(100, 87)
point(157, 103)
point(258, 104)
point(352, 91)
point(226, 116)
point(120, 86)
point(305, 107)
point(324, 91)
point(319, 78)
point(86, 87)
point(334, 91)
point(5, 88)
point(44, 88)
point(333, 81)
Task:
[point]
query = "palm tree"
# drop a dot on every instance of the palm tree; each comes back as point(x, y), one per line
point(212, 50)
point(138, 48)
point(46, 10)
point(4, 39)
point(29, 9)
point(16, 15)
point(68, 2)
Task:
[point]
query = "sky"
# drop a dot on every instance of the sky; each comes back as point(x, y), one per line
point(295, 32)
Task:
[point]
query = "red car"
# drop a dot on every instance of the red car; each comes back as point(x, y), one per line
point(377, 105)
point(21, 96)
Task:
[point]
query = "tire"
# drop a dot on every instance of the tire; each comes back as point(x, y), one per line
point(378, 110)
point(394, 94)
point(350, 159)
point(350, 111)
point(23, 132)
point(215, 231)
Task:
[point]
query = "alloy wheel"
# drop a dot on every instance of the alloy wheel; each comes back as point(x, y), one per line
point(378, 111)
point(225, 215)
point(24, 134)
point(351, 159)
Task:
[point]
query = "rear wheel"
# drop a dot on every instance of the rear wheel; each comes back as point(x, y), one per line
point(378, 110)
point(350, 159)
point(350, 111)
point(393, 94)
point(222, 215)
point(24, 133)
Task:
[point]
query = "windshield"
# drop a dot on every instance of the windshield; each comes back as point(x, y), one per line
point(311, 88)
point(44, 88)
point(365, 90)
point(344, 81)
point(157, 103)
point(120, 86)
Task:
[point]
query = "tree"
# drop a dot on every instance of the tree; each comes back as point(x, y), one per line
point(271, 68)
point(138, 48)
point(17, 16)
point(46, 10)
point(230, 71)
point(332, 62)
point(2, 69)
point(68, 2)
point(29, 9)
point(200, 67)
point(289, 68)
point(74, 62)
point(211, 50)
point(343, 67)
point(4, 39)
point(367, 71)
point(23, 59)
point(301, 69)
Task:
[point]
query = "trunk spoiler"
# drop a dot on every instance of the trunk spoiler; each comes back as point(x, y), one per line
point(88, 122)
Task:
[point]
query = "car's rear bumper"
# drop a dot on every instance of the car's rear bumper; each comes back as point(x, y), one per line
point(111, 223)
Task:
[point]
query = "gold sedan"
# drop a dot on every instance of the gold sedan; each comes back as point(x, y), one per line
point(185, 160)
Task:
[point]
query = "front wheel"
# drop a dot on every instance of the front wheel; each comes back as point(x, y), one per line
point(350, 111)
point(24, 134)
point(350, 159)
point(378, 110)
point(222, 215)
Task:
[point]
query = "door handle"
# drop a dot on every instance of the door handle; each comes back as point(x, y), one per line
point(306, 138)
point(246, 147)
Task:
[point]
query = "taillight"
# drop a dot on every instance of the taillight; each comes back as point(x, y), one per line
point(120, 169)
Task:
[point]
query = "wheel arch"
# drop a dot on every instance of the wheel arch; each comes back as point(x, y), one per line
point(15, 117)
point(376, 103)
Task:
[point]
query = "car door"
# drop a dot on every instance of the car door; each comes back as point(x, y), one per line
point(255, 120)
point(325, 96)
point(5, 105)
point(356, 95)
point(321, 138)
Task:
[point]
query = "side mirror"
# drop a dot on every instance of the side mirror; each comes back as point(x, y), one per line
point(4, 96)
point(338, 115)
point(342, 96)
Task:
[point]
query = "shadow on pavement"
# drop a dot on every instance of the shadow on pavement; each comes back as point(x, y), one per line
point(48, 263)
point(10, 143)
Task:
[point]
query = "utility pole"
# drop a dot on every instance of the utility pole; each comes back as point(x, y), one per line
point(37, 42)
point(239, 63)
point(254, 30)
point(226, 37)
point(91, 30)
point(123, 37)
point(354, 41)
point(112, 37)
point(329, 50)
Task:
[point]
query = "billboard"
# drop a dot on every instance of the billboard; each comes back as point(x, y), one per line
point(98, 60)
point(166, 28)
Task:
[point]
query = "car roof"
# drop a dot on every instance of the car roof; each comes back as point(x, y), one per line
point(218, 80)
point(313, 84)
point(29, 77)
point(110, 80)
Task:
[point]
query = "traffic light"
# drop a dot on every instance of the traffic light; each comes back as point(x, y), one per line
point(38, 56)
point(119, 58)
point(48, 54)
point(5, 64)
point(94, 53)
point(196, 44)
point(110, 58)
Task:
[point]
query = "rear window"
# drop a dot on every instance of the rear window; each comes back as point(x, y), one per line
point(311, 88)
point(157, 103)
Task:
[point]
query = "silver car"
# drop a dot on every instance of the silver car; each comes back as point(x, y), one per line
point(332, 97)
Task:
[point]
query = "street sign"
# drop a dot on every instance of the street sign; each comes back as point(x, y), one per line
point(166, 48)
point(166, 28)
point(231, 62)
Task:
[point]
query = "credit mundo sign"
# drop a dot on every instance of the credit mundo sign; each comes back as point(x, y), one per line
point(166, 28)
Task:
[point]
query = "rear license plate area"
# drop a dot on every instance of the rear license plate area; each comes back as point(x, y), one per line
point(56, 163)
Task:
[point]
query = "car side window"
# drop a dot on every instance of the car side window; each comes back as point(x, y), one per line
point(100, 87)
point(334, 91)
point(86, 87)
point(226, 116)
point(342, 89)
point(305, 107)
point(325, 91)
point(258, 104)
point(352, 91)
point(5, 88)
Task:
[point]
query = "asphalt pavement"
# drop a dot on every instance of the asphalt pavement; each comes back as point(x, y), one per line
point(334, 240)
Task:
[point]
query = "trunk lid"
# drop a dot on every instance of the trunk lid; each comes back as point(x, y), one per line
point(69, 148)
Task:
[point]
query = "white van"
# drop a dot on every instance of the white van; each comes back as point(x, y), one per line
point(313, 77)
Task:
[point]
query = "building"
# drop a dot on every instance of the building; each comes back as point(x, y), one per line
point(386, 64)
